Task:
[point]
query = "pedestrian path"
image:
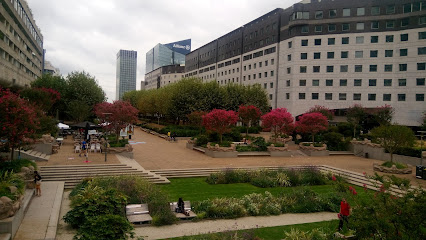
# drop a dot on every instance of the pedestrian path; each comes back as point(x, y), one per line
point(213, 226)
point(41, 218)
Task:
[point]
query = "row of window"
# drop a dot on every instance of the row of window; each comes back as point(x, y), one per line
point(259, 53)
point(359, 68)
point(260, 64)
point(226, 81)
point(358, 82)
point(265, 74)
point(401, 97)
point(261, 32)
point(403, 52)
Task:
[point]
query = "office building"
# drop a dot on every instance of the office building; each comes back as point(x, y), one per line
point(330, 53)
point(163, 76)
point(50, 69)
point(126, 72)
point(21, 44)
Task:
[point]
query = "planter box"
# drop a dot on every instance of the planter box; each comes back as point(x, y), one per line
point(10, 225)
point(190, 146)
point(314, 153)
point(280, 153)
point(216, 154)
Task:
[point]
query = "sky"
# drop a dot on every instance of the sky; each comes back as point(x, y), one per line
point(87, 34)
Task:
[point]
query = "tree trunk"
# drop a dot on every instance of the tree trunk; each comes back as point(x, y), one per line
point(313, 139)
point(354, 130)
point(12, 154)
point(391, 153)
point(220, 138)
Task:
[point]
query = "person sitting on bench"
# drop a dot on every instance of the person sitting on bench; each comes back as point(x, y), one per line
point(181, 207)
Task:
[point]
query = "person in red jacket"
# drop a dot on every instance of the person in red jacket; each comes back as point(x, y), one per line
point(344, 213)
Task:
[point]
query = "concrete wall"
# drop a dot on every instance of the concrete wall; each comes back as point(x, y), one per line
point(45, 148)
point(379, 154)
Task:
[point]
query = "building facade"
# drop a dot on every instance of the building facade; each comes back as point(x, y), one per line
point(163, 76)
point(330, 53)
point(21, 44)
point(126, 72)
point(50, 69)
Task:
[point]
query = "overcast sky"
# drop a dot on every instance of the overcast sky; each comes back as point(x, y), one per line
point(87, 34)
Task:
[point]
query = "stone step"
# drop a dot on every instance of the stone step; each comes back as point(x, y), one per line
point(341, 153)
point(253, 154)
point(85, 175)
point(70, 170)
point(73, 184)
point(69, 180)
point(84, 166)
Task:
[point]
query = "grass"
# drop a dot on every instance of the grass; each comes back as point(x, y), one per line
point(397, 164)
point(273, 233)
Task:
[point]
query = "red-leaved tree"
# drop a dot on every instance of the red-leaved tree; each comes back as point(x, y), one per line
point(279, 121)
point(248, 115)
point(116, 115)
point(220, 121)
point(18, 120)
point(323, 110)
point(312, 123)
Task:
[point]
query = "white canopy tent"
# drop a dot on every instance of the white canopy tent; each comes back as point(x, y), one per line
point(63, 126)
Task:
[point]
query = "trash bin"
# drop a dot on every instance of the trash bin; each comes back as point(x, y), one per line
point(419, 171)
point(366, 155)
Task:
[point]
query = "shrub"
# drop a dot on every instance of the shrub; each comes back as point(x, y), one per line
point(312, 176)
point(106, 226)
point(334, 141)
point(16, 165)
point(253, 129)
point(201, 140)
point(257, 204)
point(222, 208)
point(180, 131)
point(314, 234)
point(409, 151)
point(263, 181)
point(121, 142)
point(397, 164)
point(8, 179)
point(260, 143)
point(246, 148)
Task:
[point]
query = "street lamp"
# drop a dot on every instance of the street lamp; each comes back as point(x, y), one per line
point(106, 133)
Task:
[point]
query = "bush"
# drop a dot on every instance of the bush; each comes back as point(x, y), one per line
point(201, 140)
point(180, 131)
point(246, 148)
point(409, 151)
point(16, 165)
point(263, 181)
point(121, 142)
point(257, 204)
point(106, 226)
point(253, 129)
point(312, 176)
point(397, 164)
point(8, 179)
point(260, 143)
point(334, 141)
point(221, 208)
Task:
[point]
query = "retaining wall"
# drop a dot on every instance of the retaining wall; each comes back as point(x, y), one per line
point(380, 154)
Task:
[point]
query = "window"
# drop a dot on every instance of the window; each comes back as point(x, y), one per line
point(373, 68)
point(422, 19)
point(265, 74)
point(319, 15)
point(304, 42)
point(329, 82)
point(405, 22)
point(390, 24)
point(357, 96)
point(375, 25)
point(249, 77)
point(388, 53)
point(357, 82)
point(265, 85)
point(272, 73)
point(317, 55)
point(387, 83)
point(316, 68)
point(360, 39)
point(272, 62)
point(254, 76)
point(390, 9)
point(422, 35)
point(346, 12)
point(343, 82)
point(346, 27)
point(404, 37)
point(303, 55)
point(358, 68)
point(302, 83)
point(302, 95)
point(420, 82)
point(403, 52)
point(271, 85)
point(360, 11)
point(388, 67)
point(315, 96)
point(290, 44)
point(420, 97)
point(249, 66)
point(407, 8)
point(386, 97)
point(402, 82)
point(333, 13)
point(288, 70)
point(260, 75)
point(344, 54)
point(401, 97)
point(389, 38)
point(359, 54)
point(245, 68)
point(318, 28)
point(371, 97)
point(372, 82)
point(289, 57)
point(342, 96)
point(343, 68)
point(260, 64)
point(271, 96)
point(317, 41)
point(330, 69)
point(328, 96)
point(315, 83)
point(331, 41)
point(421, 66)
point(288, 82)
point(403, 67)
point(373, 53)
point(420, 50)
point(360, 26)
point(374, 39)
point(331, 27)
point(287, 96)
point(375, 10)
point(345, 40)
point(305, 29)
point(254, 66)
point(330, 55)
point(302, 69)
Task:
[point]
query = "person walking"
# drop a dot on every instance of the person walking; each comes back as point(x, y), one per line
point(37, 181)
point(344, 213)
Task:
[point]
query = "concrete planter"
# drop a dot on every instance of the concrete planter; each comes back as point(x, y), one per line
point(314, 151)
point(279, 151)
point(393, 169)
point(216, 154)
point(10, 225)
point(190, 146)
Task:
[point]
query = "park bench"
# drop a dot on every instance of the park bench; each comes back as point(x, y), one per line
point(138, 213)
point(191, 214)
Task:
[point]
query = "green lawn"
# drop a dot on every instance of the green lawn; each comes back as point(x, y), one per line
point(272, 233)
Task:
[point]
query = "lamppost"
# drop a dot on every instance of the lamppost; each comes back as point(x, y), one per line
point(106, 133)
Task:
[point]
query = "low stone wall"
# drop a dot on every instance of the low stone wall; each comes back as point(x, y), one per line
point(190, 145)
point(10, 225)
point(314, 151)
point(216, 154)
point(279, 151)
point(45, 148)
point(393, 169)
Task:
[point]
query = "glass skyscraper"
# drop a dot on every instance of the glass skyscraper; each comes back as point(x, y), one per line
point(167, 54)
point(126, 72)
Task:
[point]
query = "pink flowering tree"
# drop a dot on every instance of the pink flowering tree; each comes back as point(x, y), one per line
point(18, 120)
point(248, 115)
point(312, 123)
point(116, 115)
point(323, 110)
point(220, 121)
point(278, 121)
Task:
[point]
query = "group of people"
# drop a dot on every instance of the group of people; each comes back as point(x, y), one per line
point(172, 136)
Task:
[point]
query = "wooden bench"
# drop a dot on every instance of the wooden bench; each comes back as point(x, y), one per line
point(182, 216)
point(138, 213)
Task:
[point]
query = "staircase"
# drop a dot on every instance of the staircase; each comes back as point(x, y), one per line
point(33, 155)
point(74, 174)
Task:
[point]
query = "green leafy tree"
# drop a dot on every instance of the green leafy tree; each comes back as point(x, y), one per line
point(392, 137)
point(78, 111)
point(255, 95)
point(58, 84)
point(383, 114)
point(186, 95)
point(355, 115)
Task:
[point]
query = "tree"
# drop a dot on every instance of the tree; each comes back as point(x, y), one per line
point(323, 110)
point(118, 115)
point(43, 98)
point(392, 137)
point(248, 115)
point(18, 120)
point(279, 121)
point(383, 114)
point(196, 118)
point(312, 123)
point(58, 84)
point(78, 111)
point(355, 114)
point(219, 121)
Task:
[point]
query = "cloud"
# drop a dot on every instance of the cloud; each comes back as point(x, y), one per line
point(86, 35)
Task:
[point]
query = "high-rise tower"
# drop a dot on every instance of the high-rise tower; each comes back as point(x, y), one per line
point(126, 72)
